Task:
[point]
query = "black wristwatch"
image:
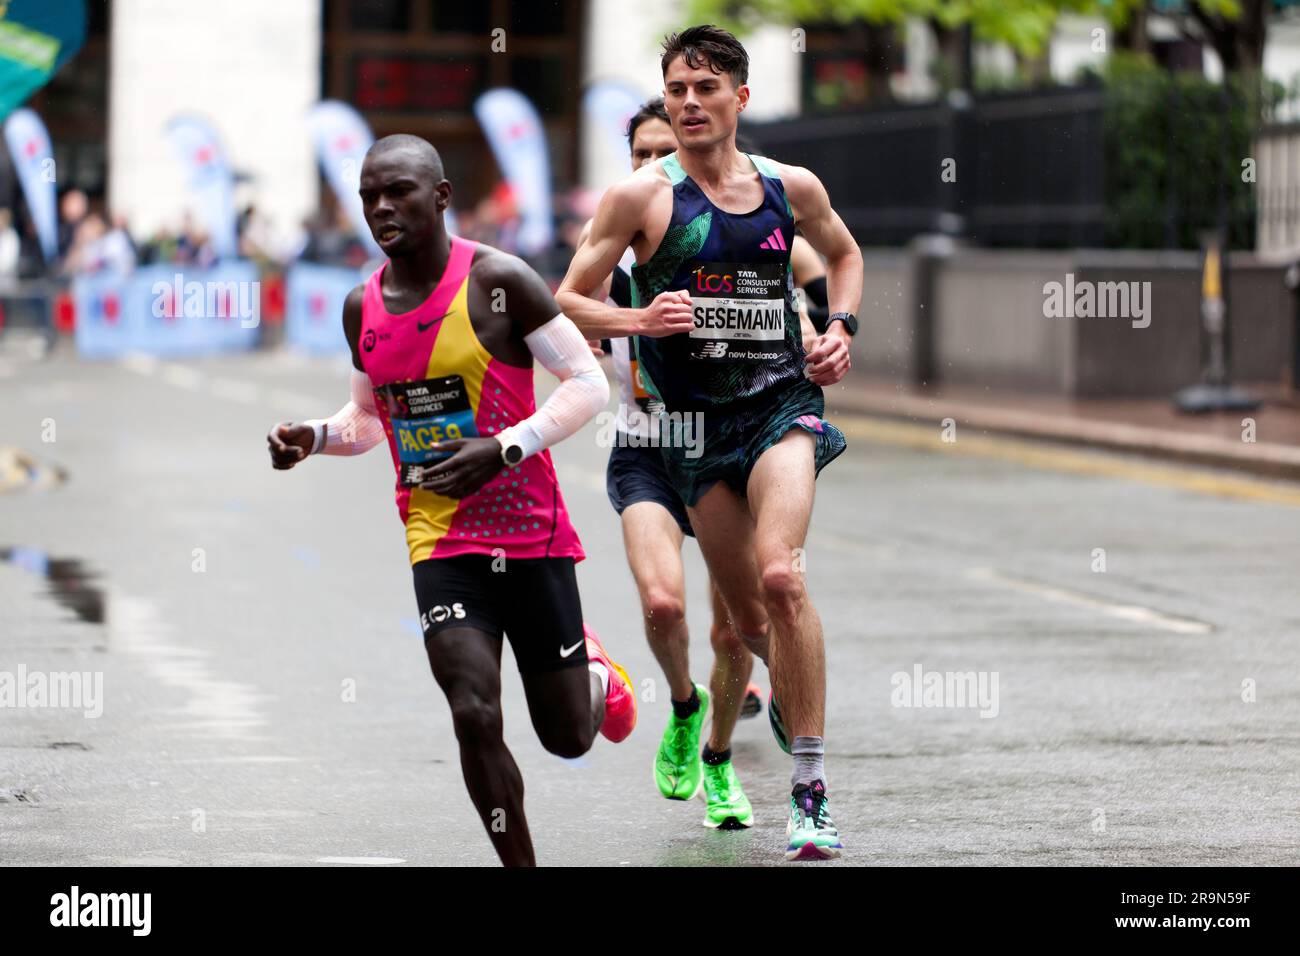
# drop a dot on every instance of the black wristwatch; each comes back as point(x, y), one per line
point(848, 318)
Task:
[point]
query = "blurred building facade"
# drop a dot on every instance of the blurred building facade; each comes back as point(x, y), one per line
point(250, 67)
point(253, 68)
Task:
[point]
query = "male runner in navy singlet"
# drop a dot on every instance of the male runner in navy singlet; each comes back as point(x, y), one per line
point(712, 230)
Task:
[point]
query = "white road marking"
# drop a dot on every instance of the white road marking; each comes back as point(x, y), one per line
point(234, 390)
point(289, 358)
point(220, 386)
point(251, 758)
point(881, 550)
point(140, 362)
point(182, 376)
point(361, 860)
point(55, 392)
point(284, 398)
point(216, 707)
point(1135, 613)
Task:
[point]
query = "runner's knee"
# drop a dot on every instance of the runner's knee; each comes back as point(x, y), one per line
point(475, 716)
point(568, 740)
point(783, 589)
point(663, 608)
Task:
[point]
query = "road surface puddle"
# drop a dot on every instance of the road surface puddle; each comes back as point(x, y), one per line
point(71, 584)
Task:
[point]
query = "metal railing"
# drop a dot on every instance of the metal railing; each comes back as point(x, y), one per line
point(1022, 169)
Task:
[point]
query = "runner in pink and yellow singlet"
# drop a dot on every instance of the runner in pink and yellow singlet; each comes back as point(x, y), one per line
point(430, 359)
point(443, 337)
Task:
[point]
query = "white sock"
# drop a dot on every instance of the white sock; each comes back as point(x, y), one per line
point(601, 671)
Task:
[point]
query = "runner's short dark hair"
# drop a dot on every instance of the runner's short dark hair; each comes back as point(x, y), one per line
point(652, 108)
point(711, 46)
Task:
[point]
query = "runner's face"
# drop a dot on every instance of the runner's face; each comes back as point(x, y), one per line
point(400, 201)
point(702, 105)
point(652, 141)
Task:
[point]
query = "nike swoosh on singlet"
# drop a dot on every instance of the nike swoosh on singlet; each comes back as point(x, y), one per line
point(424, 328)
point(565, 652)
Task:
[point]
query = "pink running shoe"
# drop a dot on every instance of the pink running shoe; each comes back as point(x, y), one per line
point(620, 701)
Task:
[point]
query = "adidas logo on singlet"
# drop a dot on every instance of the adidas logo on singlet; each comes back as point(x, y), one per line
point(774, 241)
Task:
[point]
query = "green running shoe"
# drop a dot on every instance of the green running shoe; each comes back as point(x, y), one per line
point(729, 808)
point(677, 764)
point(812, 832)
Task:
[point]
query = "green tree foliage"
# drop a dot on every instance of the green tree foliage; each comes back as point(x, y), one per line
point(1170, 140)
point(1236, 28)
point(1024, 24)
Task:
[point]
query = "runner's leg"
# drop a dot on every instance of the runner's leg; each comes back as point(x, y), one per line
point(567, 698)
point(567, 706)
point(467, 666)
point(732, 664)
point(726, 534)
point(725, 531)
point(780, 491)
point(654, 553)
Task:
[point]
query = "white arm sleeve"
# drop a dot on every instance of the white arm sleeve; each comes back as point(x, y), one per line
point(354, 428)
point(583, 391)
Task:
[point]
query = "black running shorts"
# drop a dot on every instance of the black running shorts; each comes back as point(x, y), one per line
point(533, 601)
point(637, 474)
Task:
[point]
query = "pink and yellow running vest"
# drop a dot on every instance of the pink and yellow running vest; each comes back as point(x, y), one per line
point(434, 381)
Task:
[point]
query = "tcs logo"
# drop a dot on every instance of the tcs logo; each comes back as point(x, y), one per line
point(440, 613)
point(712, 281)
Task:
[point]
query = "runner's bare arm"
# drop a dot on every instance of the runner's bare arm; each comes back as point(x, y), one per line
point(352, 324)
point(616, 224)
point(829, 360)
point(804, 262)
point(827, 234)
point(602, 295)
point(512, 284)
point(554, 341)
point(603, 292)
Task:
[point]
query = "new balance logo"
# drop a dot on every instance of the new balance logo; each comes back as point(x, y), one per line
point(714, 349)
point(774, 241)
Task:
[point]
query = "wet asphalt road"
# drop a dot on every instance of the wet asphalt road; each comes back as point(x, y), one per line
point(243, 605)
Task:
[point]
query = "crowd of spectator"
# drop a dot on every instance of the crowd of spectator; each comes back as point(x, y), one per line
point(92, 240)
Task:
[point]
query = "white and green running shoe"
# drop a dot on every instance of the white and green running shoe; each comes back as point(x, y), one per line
point(728, 807)
point(678, 768)
point(812, 832)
